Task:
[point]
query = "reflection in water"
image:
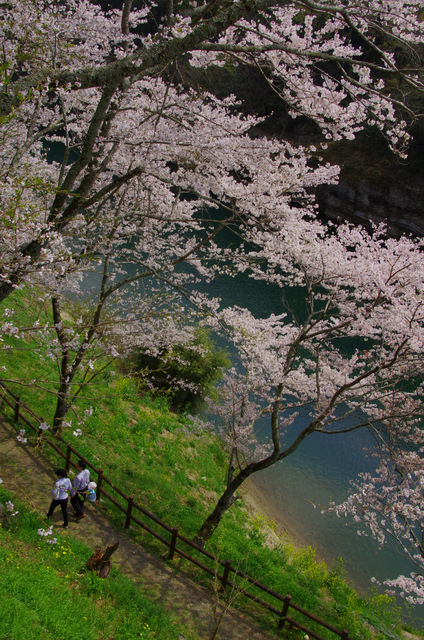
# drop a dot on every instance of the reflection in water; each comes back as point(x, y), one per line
point(314, 475)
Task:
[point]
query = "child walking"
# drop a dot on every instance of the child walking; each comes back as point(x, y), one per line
point(60, 492)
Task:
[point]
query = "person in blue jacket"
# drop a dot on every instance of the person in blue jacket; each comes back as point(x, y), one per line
point(60, 493)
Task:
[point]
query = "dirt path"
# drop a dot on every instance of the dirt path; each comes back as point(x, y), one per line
point(29, 477)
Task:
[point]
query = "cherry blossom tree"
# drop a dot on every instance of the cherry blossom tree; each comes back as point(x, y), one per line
point(350, 358)
point(388, 504)
point(85, 332)
point(109, 155)
point(105, 330)
point(103, 90)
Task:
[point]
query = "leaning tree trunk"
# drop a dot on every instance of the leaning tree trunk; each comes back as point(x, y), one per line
point(61, 407)
point(228, 498)
point(212, 521)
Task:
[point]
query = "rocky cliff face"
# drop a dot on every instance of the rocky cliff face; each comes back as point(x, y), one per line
point(400, 206)
point(375, 186)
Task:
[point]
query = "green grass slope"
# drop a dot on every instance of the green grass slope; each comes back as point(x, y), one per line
point(46, 592)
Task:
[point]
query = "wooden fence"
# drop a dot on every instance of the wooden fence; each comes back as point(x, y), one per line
point(130, 508)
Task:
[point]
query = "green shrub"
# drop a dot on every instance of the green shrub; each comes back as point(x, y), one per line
point(187, 373)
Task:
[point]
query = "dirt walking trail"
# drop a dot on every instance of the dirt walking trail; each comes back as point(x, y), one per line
point(29, 477)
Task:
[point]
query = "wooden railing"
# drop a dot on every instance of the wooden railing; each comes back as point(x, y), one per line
point(285, 604)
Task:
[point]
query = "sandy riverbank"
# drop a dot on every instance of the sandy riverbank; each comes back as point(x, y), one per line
point(257, 502)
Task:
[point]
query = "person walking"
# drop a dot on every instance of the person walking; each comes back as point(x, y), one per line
point(60, 493)
point(79, 490)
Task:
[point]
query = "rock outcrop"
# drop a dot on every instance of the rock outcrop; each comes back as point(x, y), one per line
point(401, 208)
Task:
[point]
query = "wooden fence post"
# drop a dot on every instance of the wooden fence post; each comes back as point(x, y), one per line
point(99, 483)
point(129, 511)
point(345, 635)
point(224, 579)
point(17, 403)
point(173, 544)
point(68, 458)
point(284, 612)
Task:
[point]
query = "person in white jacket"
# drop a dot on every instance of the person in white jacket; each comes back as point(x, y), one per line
point(60, 493)
point(79, 490)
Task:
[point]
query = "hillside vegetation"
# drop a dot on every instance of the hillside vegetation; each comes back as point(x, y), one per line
point(175, 468)
point(47, 593)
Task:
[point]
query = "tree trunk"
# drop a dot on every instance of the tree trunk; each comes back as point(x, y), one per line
point(61, 407)
point(101, 563)
point(212, 521)
point(64, 386)
point(224, 503)
point(228, 498)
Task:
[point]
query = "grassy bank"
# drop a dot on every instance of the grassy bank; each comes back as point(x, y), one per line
point(177, 470)
point(46, 592)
